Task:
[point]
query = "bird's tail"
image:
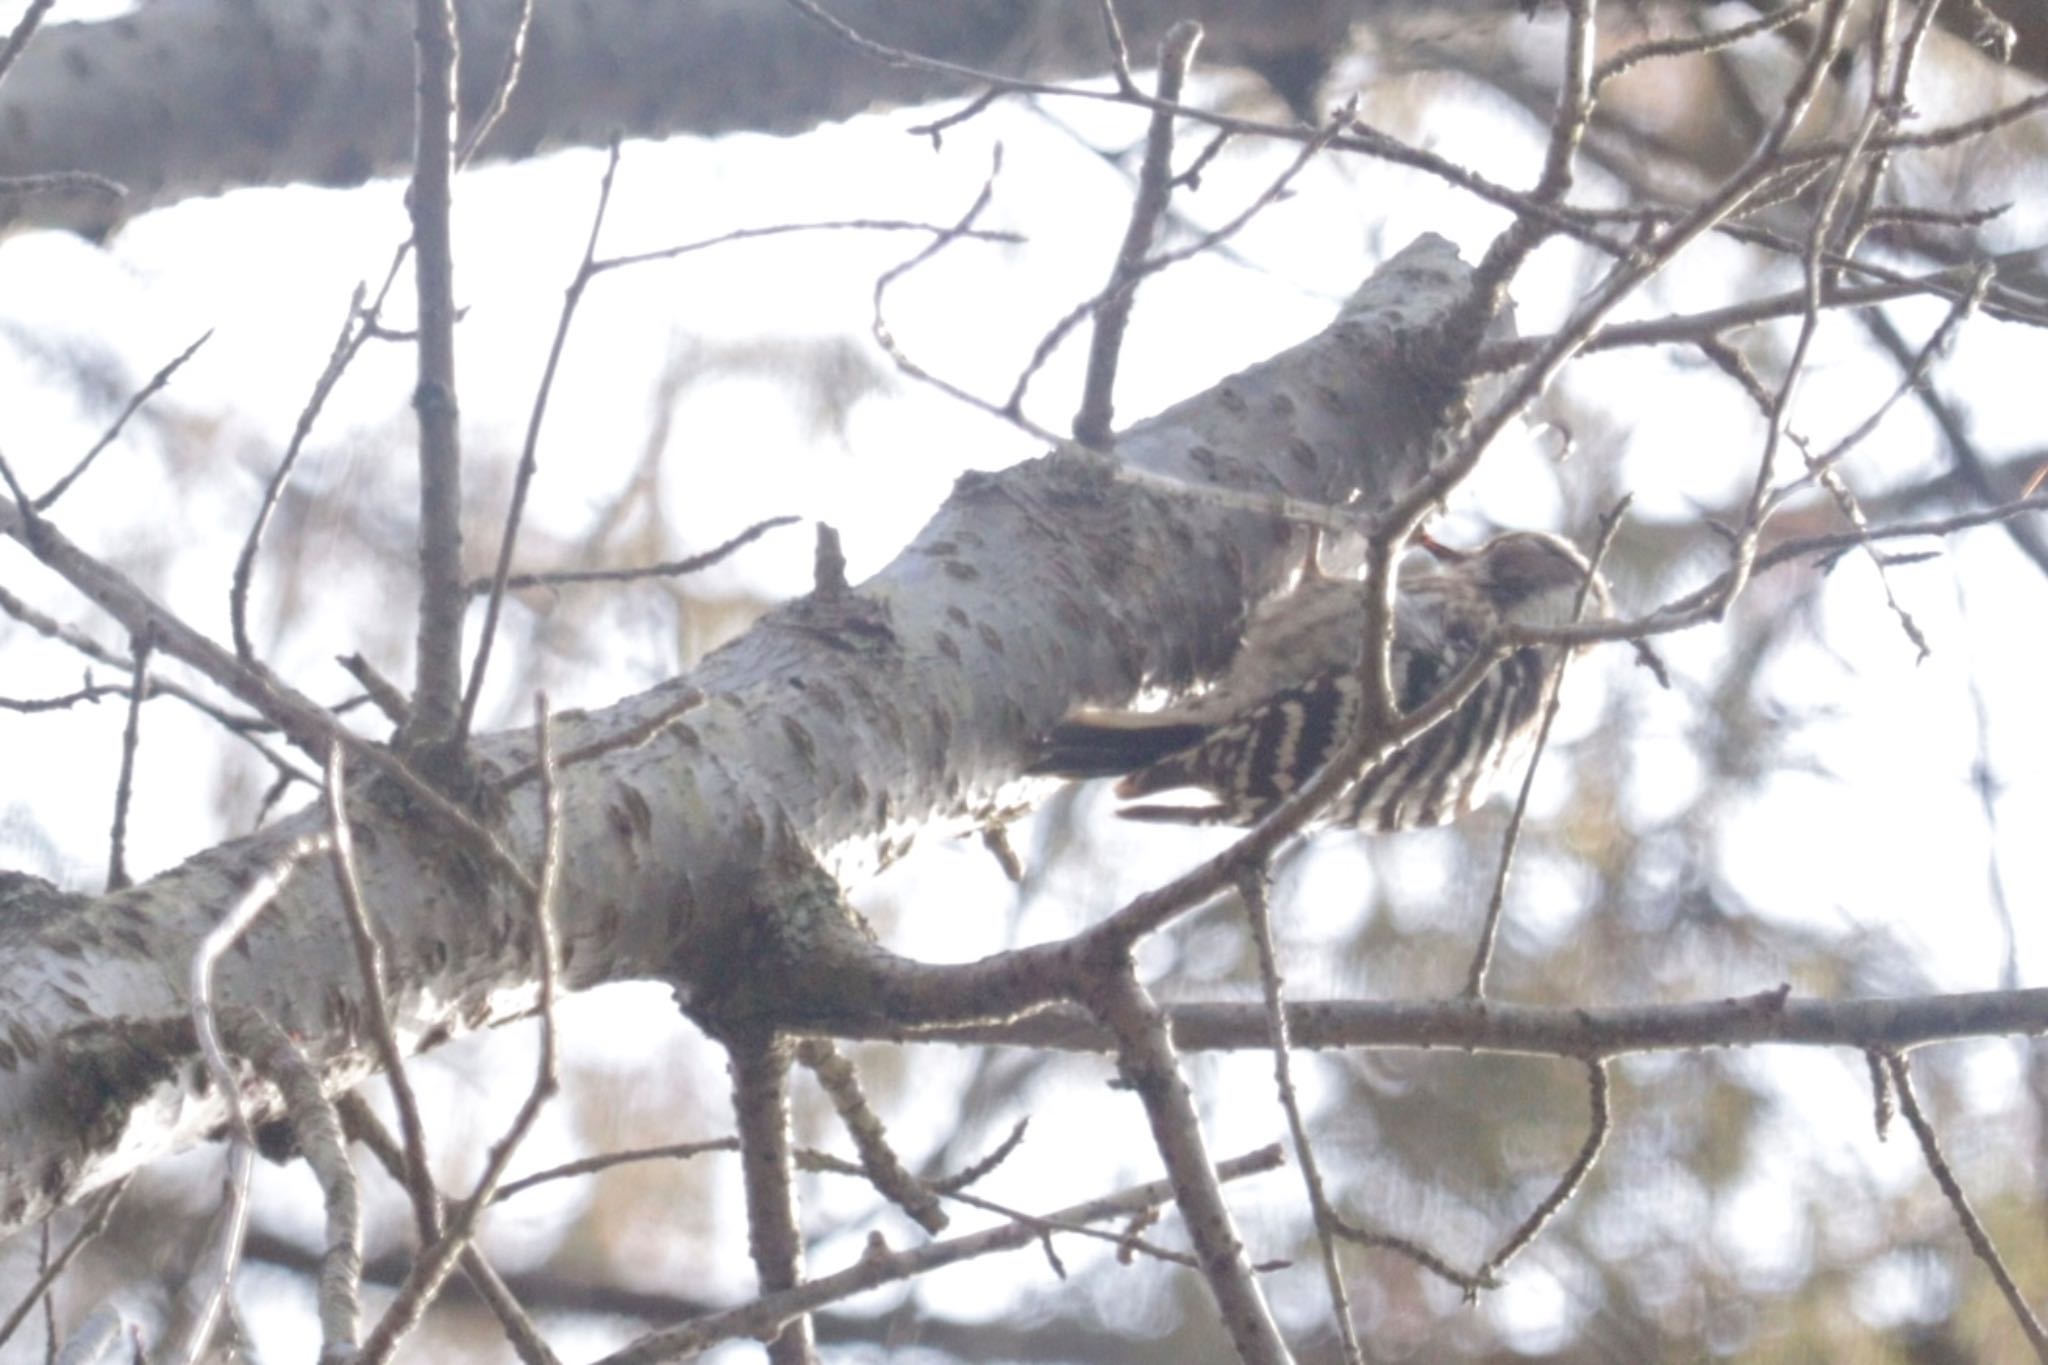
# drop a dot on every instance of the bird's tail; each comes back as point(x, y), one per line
point(1107, 744)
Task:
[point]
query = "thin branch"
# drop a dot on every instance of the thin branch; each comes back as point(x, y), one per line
point(1689, 609)
point(1470, 1281)
point(507, 83)
point(878, 1265)
point(592, 1165)
point(1699, 44)
point(94, 1223)
point(88, 694)
point(317, 1127)
point(936, 129)
point(1252, 889)
point(61, 182)
point(356, 328)
point(1772, 1017)
point(1572, 114)
point(241, 727)
point(672, 568)
point(526, 1340)
point(141, 396)
point(1092, 424)
point(759, 1063)
point(878, 1160)
point(1482, 955)
point(1568, 1183)
point(1120, 53)
point(226, 1253)
point(418, 1180)
point(1964, 455)
point(1883, 1103)
point(1952, 1190)
point(431, 1269)
point(669, 253)
point(124, 786)
point(628, 737)
point(17, 39)
point(308, 724)
point(1824, 467)
point(1691, 328)
point(437, 682)
point(1013, 407)
point(529, 453)
point(1110, 990)
point(886, 339)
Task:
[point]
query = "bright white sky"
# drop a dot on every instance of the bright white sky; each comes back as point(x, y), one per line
point(1894, 836)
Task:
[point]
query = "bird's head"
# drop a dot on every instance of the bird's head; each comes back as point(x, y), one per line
point(1529, 578)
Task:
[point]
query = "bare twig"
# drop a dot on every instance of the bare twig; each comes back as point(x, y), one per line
point(64, 701)
point(241, 727)
point(1883, 1103)
point(1568, 1183)
point(836, 1077)
point(1699, 44)
point(631, 736)
point(317, 1127)
point(759, 1063)
point(226, 1253)
point(936, 129)
point(1470, 1281)
point(591, 1165)
point(1155, 187)
point(526, 1340)
point(383, 694)
point(93, 1224)
point(750, 234)
point(1128, 1243)
point(356, 328)
point(1120, 53)
point(673, 568)
point(1482, 954)
point(24, 29)
point(437, 681)
point(886, 339)
point(1952, 1190)
point(1252, 888)
point(418, 1181)
point(1013, 408)
point(124, 786)
point(1692, 328)
point(1823, 467)
point(1108, 986)
point(880, 1266)
point(507, 83)
point(134, 405)
point(1579, 1031)
point(308, 724)
point(1573, 112)
point(529, 453)
point(430, 1270)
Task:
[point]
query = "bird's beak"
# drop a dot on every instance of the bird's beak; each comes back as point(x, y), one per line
point(1436, 547)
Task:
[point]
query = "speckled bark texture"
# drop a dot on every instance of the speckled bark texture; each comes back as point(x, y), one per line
point(839, 725)
point(194, 97)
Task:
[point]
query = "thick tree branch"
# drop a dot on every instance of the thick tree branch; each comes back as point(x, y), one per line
point(834, 723)
point(193, 97)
